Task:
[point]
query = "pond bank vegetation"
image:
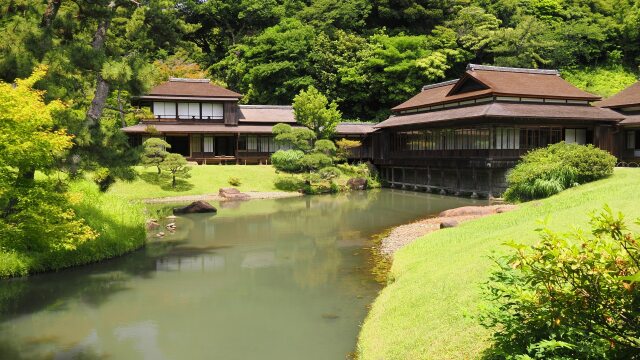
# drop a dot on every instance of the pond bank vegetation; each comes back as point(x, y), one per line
point(430, 306)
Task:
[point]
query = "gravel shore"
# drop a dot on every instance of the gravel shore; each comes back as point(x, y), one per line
point(253, 195)
point(405, 234)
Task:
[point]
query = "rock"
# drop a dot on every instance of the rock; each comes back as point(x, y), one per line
point(171, 217)
point(195, 207)
point(152, 224)
point(232, 194)
point(357, 184)
point(448, 223)
point(171, 226)
point(160, 234)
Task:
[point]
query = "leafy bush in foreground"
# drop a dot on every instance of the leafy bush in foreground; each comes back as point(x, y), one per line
point(571, 296)
point(547, 171)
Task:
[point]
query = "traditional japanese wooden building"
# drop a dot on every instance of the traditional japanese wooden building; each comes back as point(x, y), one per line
point(627, 104)
point(462, 136)
point(205, 123)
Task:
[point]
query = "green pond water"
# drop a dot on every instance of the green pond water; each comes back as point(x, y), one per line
point(265, 279)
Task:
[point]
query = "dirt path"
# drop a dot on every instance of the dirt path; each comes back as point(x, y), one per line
point(253, 195)
point(405, 234)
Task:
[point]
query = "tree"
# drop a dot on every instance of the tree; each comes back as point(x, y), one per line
point(177, 165)
point(296, 138)
point(154, 152)
point(344, 148)
point(313, 110)
point(34, 215)
point(325, 146)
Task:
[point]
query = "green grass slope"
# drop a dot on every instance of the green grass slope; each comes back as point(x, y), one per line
point(119, 223)
point(205, 179)
point(427, 311)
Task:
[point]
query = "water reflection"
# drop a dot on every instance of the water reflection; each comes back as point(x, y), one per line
point(270, 279)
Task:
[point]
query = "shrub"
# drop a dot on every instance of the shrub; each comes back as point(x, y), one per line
point(289, 183)
point(103, 178)
point(344, 148)
point(287, 160)
point(316, 161)
point(329, 173)
point(234, 181)
point(571, 296)
point(547, 171)
point(325, 146)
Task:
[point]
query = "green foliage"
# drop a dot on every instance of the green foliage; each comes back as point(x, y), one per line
point(361, 170)
point(604, 81)
point(569, 296)
point(35, 216)
point(329, 173)
point(119, 226)
point(103, 178)
point(344, 147)
point(38, 218)
point(234, 181)
point(288, 160)
point(296, 138)
point(313, 110)
point(177, 166)
point(154, 151)
point(547, 171)
point(315, 161)
point(325, 146)
point(289, 183)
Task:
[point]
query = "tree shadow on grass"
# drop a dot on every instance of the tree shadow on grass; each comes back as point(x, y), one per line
point(163, 180)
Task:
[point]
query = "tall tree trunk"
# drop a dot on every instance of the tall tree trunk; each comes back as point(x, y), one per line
point(102, 86)
point(50, 13)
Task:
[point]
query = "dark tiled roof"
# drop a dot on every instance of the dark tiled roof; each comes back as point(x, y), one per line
point(199, 128)
point(354, 128)
point(506, 110)
point(627, 97)
point(631, 119)
point(266, 114)
point(191, 88)
point(498, 81)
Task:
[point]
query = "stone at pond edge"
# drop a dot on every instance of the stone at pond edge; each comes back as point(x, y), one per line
point(195, 207)
point(448, 223)
point(357, 184)
point(232, 194)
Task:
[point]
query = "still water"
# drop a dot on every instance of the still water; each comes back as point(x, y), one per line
point(265, 279)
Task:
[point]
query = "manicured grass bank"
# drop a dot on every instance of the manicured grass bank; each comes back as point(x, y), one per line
point(205, 179)
point(120, 224)
point(428, 310)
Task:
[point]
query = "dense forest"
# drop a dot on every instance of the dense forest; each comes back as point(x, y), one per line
point(367, 55)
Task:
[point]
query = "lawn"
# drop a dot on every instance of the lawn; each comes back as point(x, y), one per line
point(428, 309)
point(205, 179)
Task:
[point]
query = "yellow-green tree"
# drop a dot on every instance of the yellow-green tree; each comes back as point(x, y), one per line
point(35, 215)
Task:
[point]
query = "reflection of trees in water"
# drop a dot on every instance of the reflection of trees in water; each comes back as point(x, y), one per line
point(315, 266)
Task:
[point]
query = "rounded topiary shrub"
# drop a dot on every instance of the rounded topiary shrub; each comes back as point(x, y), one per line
point(288, 160)
point(547, 171)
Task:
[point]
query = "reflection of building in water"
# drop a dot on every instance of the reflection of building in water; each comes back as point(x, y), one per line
point(255, 260)
point(201, 263)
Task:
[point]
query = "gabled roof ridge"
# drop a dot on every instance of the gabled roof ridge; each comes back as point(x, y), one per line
point(259, 106)
point(200, 80)
point(473, 67)
point(440, 84)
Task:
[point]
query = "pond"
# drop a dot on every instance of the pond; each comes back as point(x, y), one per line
point(264, 279)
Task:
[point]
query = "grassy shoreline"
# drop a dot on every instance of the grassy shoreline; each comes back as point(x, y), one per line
point(120, 224)
point(427, 310)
